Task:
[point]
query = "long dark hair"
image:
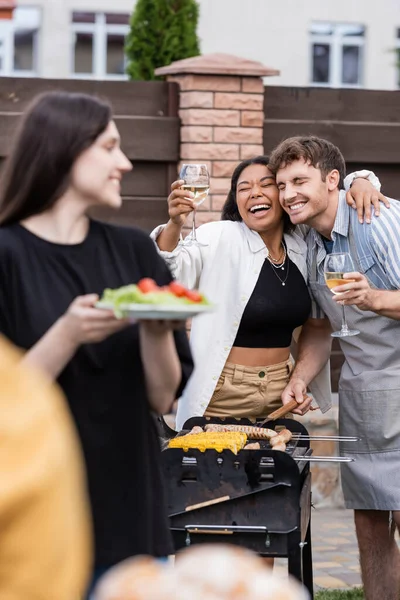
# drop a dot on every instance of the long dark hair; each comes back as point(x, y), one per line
point(55, 130)
point(230, 211)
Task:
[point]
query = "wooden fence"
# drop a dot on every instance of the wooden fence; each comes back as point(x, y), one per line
point(146, 114)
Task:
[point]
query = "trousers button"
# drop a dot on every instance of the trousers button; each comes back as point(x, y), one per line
point(261, 374)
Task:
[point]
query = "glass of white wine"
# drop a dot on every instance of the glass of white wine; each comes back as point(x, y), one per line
point(335, 266)
point(196, 180)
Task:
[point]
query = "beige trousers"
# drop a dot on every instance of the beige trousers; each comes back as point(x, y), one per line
point(251, 392)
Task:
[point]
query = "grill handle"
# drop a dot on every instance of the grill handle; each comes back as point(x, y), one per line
point(226, 530)
point(326, 438)
point(340, 459)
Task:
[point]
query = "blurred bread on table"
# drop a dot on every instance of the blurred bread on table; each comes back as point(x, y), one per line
point(202, 572)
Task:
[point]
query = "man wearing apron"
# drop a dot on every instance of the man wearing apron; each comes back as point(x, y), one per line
point(309, 173)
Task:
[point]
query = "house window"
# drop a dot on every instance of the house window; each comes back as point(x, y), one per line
point(98, 45)
point(397, 50)
point(337, 54)
point(19, 43)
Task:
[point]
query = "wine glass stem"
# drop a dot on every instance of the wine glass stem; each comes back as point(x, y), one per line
point(194, 226)
point(344, 322)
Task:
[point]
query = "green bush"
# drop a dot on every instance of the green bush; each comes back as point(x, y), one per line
point(162, 31)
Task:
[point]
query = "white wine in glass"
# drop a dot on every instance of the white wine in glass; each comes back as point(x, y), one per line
point(335, 266)
point(335, 279)
point(196, 179)
point(200, 192)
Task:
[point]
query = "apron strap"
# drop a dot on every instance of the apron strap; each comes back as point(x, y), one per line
point(353, 247)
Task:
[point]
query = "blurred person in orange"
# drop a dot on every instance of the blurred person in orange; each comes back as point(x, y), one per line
point(45, 541)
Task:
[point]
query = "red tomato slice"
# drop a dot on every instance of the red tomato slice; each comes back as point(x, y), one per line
point(193, 296)
point(177, 288)
point(147, 285)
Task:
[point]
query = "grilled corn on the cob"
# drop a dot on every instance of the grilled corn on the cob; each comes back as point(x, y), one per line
point(218, 441)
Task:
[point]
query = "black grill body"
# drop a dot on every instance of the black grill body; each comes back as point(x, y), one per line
point(258, 499)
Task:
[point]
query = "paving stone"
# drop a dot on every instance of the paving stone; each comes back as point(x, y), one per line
point(349, 578)
point(337, 540)
point(330, 582)
point(334, 526)
point(326, 565)
point(341, 557)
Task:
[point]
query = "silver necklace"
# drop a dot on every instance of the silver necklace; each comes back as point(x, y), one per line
point(283, 281)
point(276, 260)
point(282, 264)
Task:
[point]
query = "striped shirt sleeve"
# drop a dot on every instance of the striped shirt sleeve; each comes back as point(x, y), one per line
point(385, 241)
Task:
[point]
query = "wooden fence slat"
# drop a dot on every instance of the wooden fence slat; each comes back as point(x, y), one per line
point(147, 179)
point(150, 138)
point(361, 143)
point(143, 138)
point(146, 98)
point(145, 213)
point(331, 104)
point(389, 176)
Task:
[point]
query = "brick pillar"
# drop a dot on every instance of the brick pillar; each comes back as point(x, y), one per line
point(222, 117)
point(7, 8)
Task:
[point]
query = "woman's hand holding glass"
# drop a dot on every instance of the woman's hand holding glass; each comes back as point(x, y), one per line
point(180, 203)
point(196, 182)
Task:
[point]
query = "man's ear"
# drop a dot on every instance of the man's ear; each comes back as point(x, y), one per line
point(333, 179)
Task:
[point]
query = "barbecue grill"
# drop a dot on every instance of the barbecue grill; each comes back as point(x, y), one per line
point(259, 499)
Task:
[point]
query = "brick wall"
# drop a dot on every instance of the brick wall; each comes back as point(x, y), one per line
point(222, 118)
point(222, 123)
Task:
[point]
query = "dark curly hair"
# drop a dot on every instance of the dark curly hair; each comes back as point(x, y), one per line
point(230, 211)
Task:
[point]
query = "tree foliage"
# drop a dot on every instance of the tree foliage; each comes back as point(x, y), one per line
point(162, 31)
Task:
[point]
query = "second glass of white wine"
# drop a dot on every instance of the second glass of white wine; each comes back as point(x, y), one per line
point(335, 266)
point(196, 180)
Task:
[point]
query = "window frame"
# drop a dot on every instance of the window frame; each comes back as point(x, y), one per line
point(337, 41)
point(7, 49)
point(397, 56)
point(100, 29)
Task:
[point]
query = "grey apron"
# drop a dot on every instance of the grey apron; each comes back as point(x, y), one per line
point(369, 399)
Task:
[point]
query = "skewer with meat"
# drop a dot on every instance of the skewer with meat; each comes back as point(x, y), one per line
point(196, 429)
point(282, 438)
point(281, 446)
point(255, 433)
point(252, 446)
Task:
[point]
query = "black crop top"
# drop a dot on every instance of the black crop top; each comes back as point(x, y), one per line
point(274, 310)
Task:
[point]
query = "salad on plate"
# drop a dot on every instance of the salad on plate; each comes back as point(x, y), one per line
point(147, 300)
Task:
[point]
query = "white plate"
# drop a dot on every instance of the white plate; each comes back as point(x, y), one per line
point(152, 311)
